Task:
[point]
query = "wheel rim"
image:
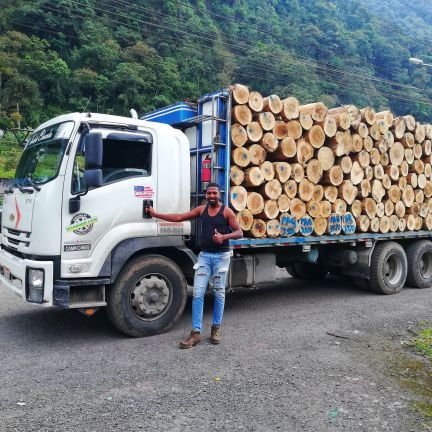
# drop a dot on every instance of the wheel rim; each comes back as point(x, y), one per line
point(393, 270)
point(150, 297)
point(426, 265)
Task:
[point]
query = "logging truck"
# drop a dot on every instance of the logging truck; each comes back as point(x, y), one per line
point(317, 191)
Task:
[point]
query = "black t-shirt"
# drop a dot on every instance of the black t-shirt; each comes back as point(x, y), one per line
point(208, 226)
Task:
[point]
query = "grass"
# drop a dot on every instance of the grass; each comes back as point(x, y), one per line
point(423, 343)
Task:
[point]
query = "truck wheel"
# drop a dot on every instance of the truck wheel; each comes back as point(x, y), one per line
point(419, 257)
point(388, 269)
point(148, 297)
point(308, 271)
point(291, 270)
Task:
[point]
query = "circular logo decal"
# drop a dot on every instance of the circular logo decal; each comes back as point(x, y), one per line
point(81, 224)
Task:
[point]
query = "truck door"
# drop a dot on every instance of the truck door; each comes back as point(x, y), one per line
point(113, 212)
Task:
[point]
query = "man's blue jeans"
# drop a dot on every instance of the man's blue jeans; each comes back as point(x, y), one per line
point(213, 265)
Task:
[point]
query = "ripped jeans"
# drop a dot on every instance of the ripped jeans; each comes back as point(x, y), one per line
point(215, 265)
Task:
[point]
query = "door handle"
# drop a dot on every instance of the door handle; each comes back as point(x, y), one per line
point(146, 204)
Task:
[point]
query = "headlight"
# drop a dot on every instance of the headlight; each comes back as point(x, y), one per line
point(35, 285)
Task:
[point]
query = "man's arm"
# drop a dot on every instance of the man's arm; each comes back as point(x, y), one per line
point(180, 217)
point(234, 225)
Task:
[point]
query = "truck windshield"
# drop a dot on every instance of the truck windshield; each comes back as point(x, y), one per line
point(43, 154)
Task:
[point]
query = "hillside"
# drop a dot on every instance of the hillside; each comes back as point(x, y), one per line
point(111, 56)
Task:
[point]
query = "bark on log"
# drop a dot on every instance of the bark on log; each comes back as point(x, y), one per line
point(368, 116)
point(408, 140)
point(317, 110)
point(329, 126)
point(426, 147)
point(271, 189)
point(286, 149)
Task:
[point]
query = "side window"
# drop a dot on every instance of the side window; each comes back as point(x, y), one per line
point(122, 159)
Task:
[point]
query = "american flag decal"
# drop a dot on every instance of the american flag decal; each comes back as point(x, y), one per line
point(143, 191)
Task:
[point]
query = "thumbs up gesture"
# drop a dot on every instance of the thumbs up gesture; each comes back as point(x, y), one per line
point(218, 237)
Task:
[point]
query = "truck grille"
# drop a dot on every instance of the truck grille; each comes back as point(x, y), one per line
point(15, 238)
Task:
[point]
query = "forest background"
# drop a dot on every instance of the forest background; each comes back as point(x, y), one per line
point(109, 56)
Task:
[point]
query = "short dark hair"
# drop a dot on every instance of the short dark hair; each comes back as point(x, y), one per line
point(213, 184)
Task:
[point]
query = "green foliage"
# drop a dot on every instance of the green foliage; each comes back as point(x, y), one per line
point(423, 342)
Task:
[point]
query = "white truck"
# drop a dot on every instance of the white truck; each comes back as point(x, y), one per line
point(75, 234)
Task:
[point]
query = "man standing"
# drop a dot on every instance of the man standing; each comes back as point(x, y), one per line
point(219, 224)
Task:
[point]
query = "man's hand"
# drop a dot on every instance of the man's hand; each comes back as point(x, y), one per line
point(150, 211)
point(218, 237)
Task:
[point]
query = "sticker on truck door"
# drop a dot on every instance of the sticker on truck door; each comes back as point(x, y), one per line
point(81, 224)
point(170, 228)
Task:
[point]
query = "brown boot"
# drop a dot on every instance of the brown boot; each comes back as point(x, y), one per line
point(193, 339)
point(215, 337)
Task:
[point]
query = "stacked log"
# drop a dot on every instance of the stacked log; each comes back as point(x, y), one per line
point(308, 170)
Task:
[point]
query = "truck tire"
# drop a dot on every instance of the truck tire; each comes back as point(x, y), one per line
point(419, 257)
point(148, 296)
point(308, 271)
point(388, 270)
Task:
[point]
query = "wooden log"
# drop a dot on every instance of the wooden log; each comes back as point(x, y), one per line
point(386, 116)
point(255, 202)
point(297, 208)
point(345, 163)
point(259, 228)
point(357, 173)
point(385, 160)
point(272, 104)
point(269, 142)
point(332, 177)
point(375, 225)
point(245, 219)
point(400, 209)
point(337, 144)
point(378, 190)
point(394, 223)
point(238, 197)
point(319, 226)
point(378, 172)
point(422, 181)
point(428, 170)
point(357, 142)
point(280, 130)
point(418, 166)
point(427, 222)
point(386, 181)
point(428, 130)
point(273, 228)
point(402, 225)
point(426, 147)
point(343, 120)
point(282, 171)
point(288, 225)
point(369, 207)
point(368, 143)
point(368, 115)
point(236, 175)
point(375, 156)
point(240, 94)
point(394, 193)
point(287, 149)
point(318, 194)
point(270, 211)
point(362, 223)
point(283, 203)
point(339, 207)
point(254, 132)
point(356, 208)
point(266, 120)
point(389, 207)
point(297, 172)
point(408, 196)
point(410, 222)
point(368, 173)
point(396, 153)
point(409, 155)
point(408, 140)
point(399, 127)
point(334, 224)
point(363, 130)
point(382, 126)
point(271, 189)
point(305, 190)
point(412, 179)
point(290, 188)
point(347, 191)
point(428, 189)
point(389, 137)
point(418, 151)
point(305, 151)
point(239, 135)
point(326, 158)
point(329, 126)
point(403, 169)
point(317, 110)
point(313, 208)
point(242, 114)
point(290, 109)
point(306, 226)
point(348, 223)
point(392, 171)
point(306, 121)
point(253, 177)
point(380, 210)
point(419, 196)
point(241, 157)
point(315, 136)
point(363, 158)
point(330, 193)
point(347, 142)
point(314, 171)
point(295, 130)
point(402, 183)
point(410, 122)
point(257, 154)
point(355, 116)
point(255, 101)
point(374, 132)
point(326, 209)
point(365, 188)
point(268, 171)
point(384, 226)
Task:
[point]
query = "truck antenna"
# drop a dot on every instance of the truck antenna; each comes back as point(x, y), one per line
point(88, 101)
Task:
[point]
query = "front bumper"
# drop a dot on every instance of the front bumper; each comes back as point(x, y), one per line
point(13, 274)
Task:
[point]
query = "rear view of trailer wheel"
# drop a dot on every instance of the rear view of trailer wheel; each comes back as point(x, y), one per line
point(419, 256)
point(388, 269)
point(148, 297)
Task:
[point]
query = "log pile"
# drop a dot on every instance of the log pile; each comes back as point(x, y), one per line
point(309, 170)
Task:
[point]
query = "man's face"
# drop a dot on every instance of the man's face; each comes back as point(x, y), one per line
point(212, 195)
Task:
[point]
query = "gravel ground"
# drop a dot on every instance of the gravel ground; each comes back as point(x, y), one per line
point(276, 369)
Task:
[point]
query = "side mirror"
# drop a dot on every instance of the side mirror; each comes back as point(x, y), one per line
point(93, 178)
point(93, 148)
